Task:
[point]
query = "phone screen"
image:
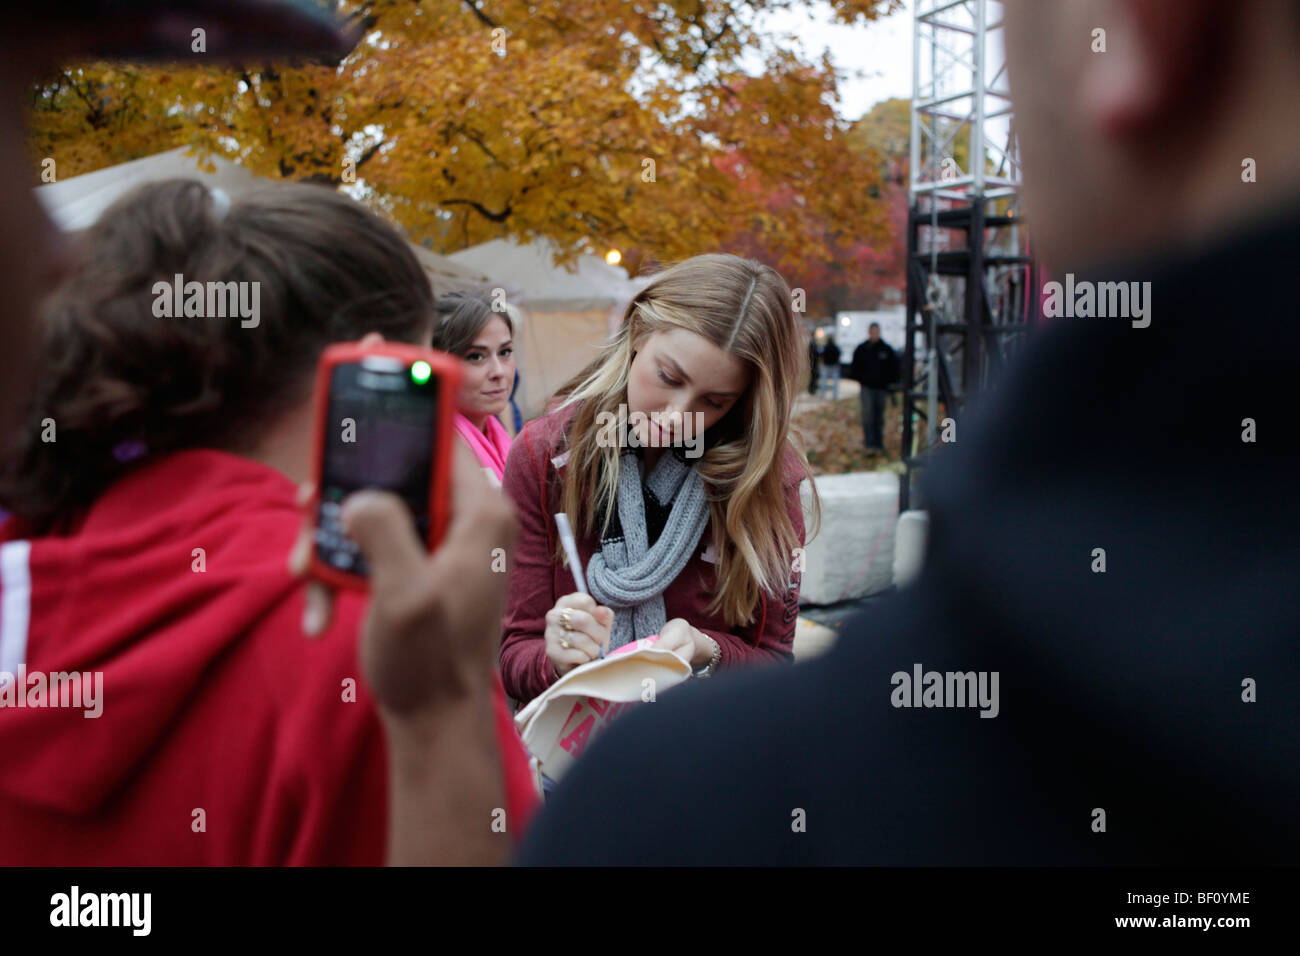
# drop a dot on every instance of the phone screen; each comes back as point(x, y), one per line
point(379, 434)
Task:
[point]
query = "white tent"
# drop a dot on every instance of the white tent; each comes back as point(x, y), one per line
point(568, 312)
point(76, 203)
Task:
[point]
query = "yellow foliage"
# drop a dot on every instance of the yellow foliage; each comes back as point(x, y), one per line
point(460, 133)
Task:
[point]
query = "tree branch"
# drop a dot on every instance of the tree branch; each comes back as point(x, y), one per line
point(482, 17)
point(365, 157)
point(477, 141)
point(479, 208)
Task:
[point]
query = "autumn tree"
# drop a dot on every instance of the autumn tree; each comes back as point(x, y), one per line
point(865, 260)
point(591, 122)
point(886, 131)
point(857, 259)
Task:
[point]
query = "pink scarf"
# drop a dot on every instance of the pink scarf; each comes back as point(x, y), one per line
point(490, 449)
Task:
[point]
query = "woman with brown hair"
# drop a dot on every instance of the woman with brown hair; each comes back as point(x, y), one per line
point(483, 339)
point(153, 494)
point(672, 456)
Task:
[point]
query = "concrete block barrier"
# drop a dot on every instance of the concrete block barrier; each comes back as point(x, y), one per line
point(853, 555)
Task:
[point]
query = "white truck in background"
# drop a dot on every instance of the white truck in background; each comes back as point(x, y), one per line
point(850, 329)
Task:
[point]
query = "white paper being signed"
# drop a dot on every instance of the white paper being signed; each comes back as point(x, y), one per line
point(557, 725)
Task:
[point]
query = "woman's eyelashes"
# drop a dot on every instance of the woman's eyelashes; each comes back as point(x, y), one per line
point(476, 357)
point(673, 383)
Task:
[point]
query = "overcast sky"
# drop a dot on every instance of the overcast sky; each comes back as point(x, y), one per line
point(876, 58)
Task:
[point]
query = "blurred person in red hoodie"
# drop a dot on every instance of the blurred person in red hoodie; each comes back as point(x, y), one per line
point(428, 642)
point(143, 577)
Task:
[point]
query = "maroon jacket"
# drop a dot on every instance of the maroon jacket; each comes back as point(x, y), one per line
point(537, 581)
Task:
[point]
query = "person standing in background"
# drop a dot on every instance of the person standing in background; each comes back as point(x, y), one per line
point(875, 368)
point(831, 367)
point(483, 340)
point(813, 361)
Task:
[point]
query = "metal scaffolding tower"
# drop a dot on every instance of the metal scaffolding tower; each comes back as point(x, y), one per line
point(970, 279)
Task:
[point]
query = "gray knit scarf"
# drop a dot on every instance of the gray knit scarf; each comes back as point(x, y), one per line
point(627, 574)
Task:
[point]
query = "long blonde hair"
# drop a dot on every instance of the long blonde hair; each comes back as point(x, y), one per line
point(744, 308)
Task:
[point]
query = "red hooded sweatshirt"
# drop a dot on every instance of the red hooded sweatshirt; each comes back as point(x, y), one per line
point(224, 736)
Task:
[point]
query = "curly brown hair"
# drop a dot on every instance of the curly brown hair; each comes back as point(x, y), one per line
point(113, 377)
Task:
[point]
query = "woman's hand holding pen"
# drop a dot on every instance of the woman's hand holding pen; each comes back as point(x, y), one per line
point(577, 631)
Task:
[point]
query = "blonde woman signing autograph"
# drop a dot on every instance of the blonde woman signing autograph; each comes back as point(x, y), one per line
point(671, 456)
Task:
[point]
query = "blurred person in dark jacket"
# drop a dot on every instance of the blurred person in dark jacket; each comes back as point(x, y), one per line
point(831, 368)
point(814, 363)
point(875, 368)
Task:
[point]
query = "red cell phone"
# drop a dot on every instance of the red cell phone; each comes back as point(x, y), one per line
point(383, 420)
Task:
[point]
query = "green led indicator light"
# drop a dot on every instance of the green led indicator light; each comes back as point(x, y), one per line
point(420, 372)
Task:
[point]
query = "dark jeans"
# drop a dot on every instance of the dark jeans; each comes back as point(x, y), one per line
point(873, 416)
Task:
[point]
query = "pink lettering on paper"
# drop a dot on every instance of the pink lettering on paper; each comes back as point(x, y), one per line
point(576, 742)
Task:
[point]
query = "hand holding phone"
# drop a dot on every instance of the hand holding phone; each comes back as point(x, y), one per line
point(428, 651)
point(434, 620)
point(383, 421)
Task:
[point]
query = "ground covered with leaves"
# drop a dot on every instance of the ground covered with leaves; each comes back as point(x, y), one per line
point(832, 434)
